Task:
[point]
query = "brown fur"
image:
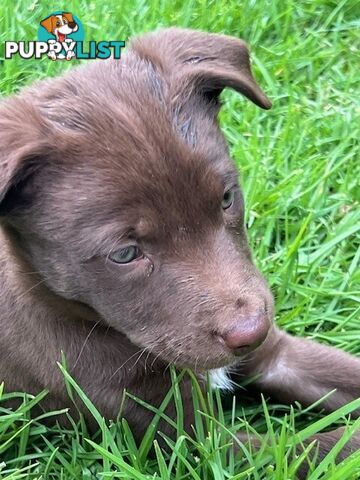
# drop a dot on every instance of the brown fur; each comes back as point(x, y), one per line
point(129, 152)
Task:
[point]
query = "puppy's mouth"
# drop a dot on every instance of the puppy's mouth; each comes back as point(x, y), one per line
point(210, 354)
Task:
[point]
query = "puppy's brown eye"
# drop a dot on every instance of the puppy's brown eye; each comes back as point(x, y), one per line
point(228, 199)
point(126, 255)
point(58, 24)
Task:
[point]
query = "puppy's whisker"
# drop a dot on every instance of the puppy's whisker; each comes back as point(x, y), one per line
point(139, 352)
point(85, 342)
point(161, 353)
point(150, 350)
point(33, 287)
point(138, 359)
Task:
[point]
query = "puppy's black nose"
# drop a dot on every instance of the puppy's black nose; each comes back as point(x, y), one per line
point(247, 333)
point(72, 24)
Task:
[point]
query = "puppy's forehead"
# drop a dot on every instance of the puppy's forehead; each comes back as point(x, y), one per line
point(135, 151)
point(125, 104)
point(157, 194)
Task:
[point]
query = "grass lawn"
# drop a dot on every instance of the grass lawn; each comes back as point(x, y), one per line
point(300, 170)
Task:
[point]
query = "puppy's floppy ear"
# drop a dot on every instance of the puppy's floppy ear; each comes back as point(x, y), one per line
point(203, 62)
point(22, 149)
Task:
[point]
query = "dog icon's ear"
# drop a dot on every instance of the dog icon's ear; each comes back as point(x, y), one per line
point(22, 150)
point(197, 61)
point(69, 17)
point(48, 23)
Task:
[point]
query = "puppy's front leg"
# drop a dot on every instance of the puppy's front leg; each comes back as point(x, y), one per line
point(299, 369)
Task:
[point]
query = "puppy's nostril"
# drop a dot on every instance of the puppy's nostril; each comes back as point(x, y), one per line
point(249, 332)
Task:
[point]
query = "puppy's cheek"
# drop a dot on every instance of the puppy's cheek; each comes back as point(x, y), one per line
point(119, 293)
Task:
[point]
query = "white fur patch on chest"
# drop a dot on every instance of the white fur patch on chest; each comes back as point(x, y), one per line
point(219, 378)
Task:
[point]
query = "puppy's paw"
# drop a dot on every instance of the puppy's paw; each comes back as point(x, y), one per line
point(324, 444)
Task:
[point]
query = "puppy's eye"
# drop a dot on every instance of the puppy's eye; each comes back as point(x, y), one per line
point(228, 199)
point(126, 255)
point(58, 23)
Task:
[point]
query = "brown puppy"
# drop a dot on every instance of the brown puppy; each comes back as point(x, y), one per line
point(122, 236)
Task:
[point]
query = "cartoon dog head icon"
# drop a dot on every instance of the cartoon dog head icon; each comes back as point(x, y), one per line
point(60, 25)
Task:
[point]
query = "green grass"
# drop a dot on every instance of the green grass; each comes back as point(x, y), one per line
point(300, 170)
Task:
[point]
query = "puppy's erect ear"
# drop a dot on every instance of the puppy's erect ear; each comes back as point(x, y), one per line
point(198, 61)
point(22, 149)
point(48, 23)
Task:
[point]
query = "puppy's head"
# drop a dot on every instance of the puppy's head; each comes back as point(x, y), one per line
point(117, 185)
